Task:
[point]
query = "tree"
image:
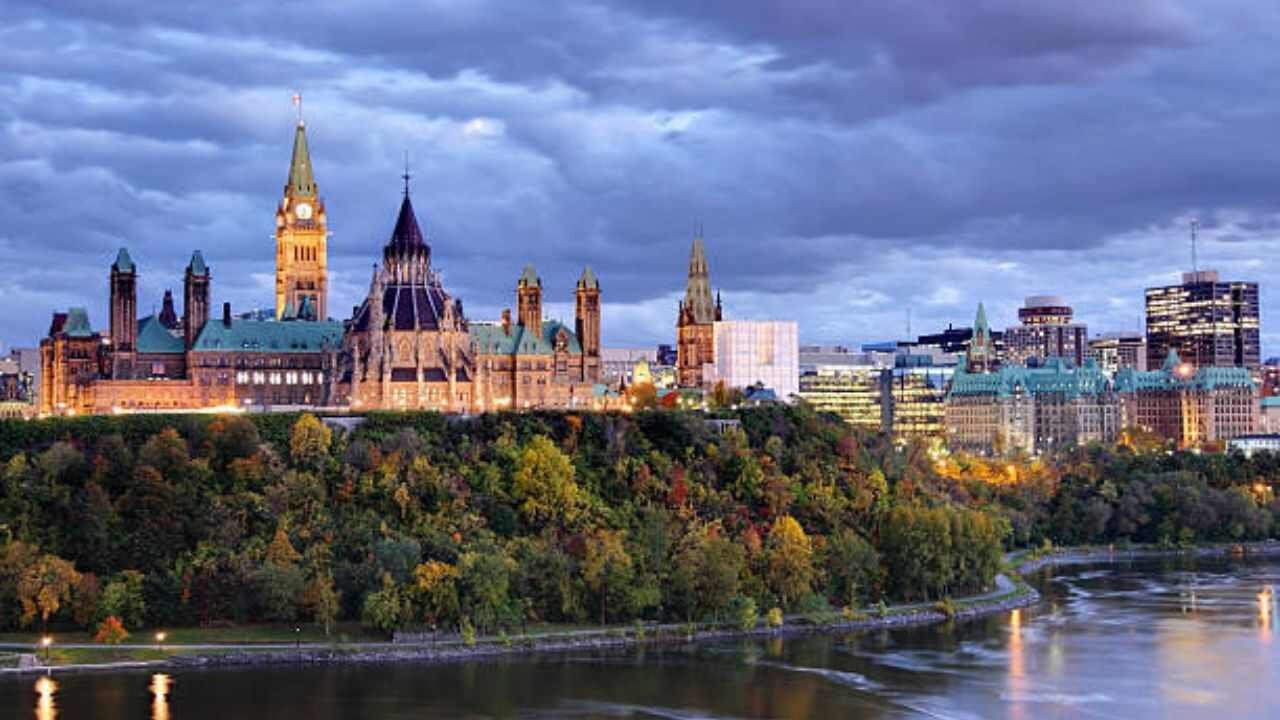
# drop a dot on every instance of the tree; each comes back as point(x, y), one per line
point(790, 559)
point(382, 609)
point(110, 631)
point(437, 587)
point(122, 597)
point(853, 566)
point(544, 484)
point(309, 442)
point(484, 580)
point(280, 551)
point(321, 600)
point(44, 587)
point(279, 591)
point(606, 567)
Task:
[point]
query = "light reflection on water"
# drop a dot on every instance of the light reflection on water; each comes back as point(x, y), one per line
point(1114, 641)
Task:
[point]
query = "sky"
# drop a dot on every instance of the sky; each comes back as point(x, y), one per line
point(850, 162)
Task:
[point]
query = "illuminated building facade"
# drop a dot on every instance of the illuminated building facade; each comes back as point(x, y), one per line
point(1116, 351)
point(409, 345)
point(1188, 405)
point(695, 321)
point(902, 394)
point(1046, 330)
point(302, 241)
point(1207, 321)
point(856, 394)
point(752, 352)
point(1016, 408)
point(18, 387)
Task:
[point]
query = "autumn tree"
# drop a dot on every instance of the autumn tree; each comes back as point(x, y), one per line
point(607, 567)
point(110, 631)
point(321, 600)
point(309, 442)
point(544, 484)
point(790, 556)
point(436, 584)
point(44, 586)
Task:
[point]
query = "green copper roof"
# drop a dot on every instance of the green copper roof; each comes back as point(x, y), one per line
point(529, 277)
point(77, 324)
point(588, 279)
point(269, 336)
point(197, 266)
point(489, 339)
point(154, 338)
point(301, 183)
point(123, 262)
point(1273, 401)
point(1056, 376)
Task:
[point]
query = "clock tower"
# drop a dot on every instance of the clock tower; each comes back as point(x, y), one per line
point(301, 241)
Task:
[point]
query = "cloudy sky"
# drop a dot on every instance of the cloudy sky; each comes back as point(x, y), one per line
point(848, 160)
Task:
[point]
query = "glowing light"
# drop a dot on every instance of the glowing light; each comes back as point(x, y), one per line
point(45, 688)
point(160, 686)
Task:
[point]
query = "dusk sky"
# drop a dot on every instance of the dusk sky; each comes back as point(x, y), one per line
point(848, 160)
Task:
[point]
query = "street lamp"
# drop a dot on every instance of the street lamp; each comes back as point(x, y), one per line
point(45, 642)
point(159, 640)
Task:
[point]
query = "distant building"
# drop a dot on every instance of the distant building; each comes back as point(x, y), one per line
point(695, 320)
point(617, 364)
point(1119, 350)
point(902, 393)
point(18, 388)
point(1269, 414)
point(1207, 321)
point(1250, 444)
point(1030, 409)
point(1046, 330)
point(956, 341)
point(857, 394)
point(750, 352)
point(1186, 404)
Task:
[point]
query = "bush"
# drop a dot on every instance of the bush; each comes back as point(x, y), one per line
point(468, 632)
point(774, 618)
point(743, 611)
point(814, 608)
point(947, 607)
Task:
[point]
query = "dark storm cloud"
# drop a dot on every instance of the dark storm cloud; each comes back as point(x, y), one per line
point(847, 158)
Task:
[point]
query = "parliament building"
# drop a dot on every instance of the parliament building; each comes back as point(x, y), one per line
point(407, 346)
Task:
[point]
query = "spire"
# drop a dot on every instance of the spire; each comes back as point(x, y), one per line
point(123, 262)
point(197, 266)
point(1171, 361)
point(529, 277)
point(301, 182)
point(697, 294)
point(980, 326)
point(406, 238)
point(588, 279)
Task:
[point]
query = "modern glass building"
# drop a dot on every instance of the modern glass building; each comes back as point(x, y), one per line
point(1207, 321)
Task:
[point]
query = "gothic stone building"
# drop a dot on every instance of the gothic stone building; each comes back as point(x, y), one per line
point(695, 322)
point(410, 346)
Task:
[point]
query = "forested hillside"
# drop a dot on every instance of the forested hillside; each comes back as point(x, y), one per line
point(494, 521)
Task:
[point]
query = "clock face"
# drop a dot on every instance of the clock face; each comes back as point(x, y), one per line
point(303, 211)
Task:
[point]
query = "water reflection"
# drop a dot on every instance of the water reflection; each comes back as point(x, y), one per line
point(1017, 684)
point(1266, 612)
point(45, 688)
point(160, 685)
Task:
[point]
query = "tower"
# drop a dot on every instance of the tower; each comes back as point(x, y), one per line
point(587, 313)
point(980, 357)
point(195, 299)
point(695, 320)
point(301, 239)
point(124, 303)
point(529, 301)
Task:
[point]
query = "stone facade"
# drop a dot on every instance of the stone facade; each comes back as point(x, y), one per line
point(695, 322)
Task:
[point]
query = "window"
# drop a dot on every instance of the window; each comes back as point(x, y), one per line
point(275, 378)
point(291, 378)
point(259, 377)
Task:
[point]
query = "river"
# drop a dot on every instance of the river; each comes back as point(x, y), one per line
point(1173, 639)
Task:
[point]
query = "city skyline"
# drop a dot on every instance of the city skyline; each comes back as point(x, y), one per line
point(870, 193)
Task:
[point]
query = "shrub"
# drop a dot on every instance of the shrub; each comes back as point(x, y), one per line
point(814, 608)
point(468, 632)
point(111, 631)
point(743, 611)
point(774, 618)
point(947, 607)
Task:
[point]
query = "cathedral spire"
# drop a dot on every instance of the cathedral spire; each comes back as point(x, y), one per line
point(301, 182)
point(697, 294)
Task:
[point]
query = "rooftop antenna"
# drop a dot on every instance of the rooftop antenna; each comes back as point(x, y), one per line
point(908, 322)
point(406, 174)
point(1195, 229)
point(297, 103)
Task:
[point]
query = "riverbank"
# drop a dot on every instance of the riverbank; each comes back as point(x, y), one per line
point(1011, 592)
point(1008, 595)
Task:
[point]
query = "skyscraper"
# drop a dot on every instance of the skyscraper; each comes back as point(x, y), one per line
point(1045, 330)
point(1208, 321)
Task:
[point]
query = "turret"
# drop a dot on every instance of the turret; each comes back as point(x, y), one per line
point(529, 301)
point(124, 303)
point(587, 312)
point(195, 299)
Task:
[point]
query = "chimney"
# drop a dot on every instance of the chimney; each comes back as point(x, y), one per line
point(226, 314)
point(506, 321)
